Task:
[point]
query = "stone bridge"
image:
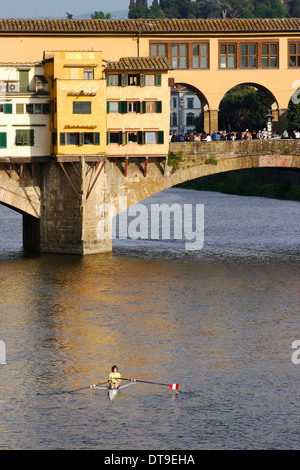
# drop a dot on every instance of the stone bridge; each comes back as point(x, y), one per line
point(67, 205)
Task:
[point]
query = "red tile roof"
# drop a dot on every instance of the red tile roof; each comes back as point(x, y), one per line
point(89, 26)
point(139, 63)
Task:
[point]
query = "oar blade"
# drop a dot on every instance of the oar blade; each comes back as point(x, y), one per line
point(174, 386)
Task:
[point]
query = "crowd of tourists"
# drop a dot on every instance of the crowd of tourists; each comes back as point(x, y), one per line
point(230, 135)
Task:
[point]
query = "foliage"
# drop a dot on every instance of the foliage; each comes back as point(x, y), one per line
point(211, 161)
point(293, 114)
point(243, 107)
point(174, 160)
point(213, 9)
point(99, 15)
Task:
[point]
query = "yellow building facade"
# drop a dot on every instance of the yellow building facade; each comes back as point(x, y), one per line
point(77, 90)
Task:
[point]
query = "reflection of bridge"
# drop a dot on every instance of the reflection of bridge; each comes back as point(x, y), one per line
point(64, 205)
point(210, 56)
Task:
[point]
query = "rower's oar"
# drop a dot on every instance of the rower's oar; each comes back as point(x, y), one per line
point(172, 386)
point(72, 391)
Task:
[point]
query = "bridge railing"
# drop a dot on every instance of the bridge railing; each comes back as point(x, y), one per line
point(238, 147)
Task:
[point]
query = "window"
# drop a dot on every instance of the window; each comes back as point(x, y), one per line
point(158, 50)
point(19, 108)
point(132, 137)
point(25, 137)
point(112, 106)
point(80, 138)
point(73, 138)
point(190, 119)
point(133, 106)
point(150, 137)
point(269, 55)
point(112, 80)
point(200, 56)
point(82, 107)
point(227, 56)
point(3, 140)
point(6, 108)
point(115, 137)
point(179, 56)
point(294, 54)
point(190, 103)
point(150, 80)
point(88, 74)
point(174, 119)
point(24, 81)
point(33, 108)
point(133, 80)
point(248, 55)
point(151, 107)
point(174, 102)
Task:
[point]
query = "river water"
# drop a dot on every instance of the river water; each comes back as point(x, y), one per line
point(219, 321)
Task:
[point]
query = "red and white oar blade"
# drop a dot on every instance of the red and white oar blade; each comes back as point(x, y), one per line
point(174, 386)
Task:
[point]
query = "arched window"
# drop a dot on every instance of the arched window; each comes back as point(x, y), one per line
point(174, 119)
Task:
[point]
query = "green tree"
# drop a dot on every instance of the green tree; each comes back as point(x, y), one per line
point(269, 9)
point(243, 107)
point(155, 11)
point(99, 15)
point(293, 113)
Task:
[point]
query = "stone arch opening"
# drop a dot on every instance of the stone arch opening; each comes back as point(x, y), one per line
point(246, 105)
point(189, 109)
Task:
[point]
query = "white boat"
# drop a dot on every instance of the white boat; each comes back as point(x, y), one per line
point(113, 392)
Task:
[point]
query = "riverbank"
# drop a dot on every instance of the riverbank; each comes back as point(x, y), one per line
point(262, 182)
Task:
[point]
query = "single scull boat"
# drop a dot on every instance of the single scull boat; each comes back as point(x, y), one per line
point(112, 392)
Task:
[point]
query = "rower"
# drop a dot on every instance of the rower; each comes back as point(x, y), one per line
point(114, 378)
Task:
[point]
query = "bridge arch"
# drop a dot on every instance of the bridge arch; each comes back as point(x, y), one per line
point(272, 100)
point(197, 165)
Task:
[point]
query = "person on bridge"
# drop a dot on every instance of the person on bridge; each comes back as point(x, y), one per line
point(114, 378)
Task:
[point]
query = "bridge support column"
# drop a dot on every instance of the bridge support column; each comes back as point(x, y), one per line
point(72, 197)
point(282, 119)
point(213, 120)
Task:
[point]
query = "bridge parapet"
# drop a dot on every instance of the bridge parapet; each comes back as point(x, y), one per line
point(238, 148)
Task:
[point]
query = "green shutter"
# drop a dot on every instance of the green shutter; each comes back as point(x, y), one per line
point(124, 79)
point(3, 140)
point(107, 79)
point(97, 138)
point(107, 137)
point(107, 107)
point(19, 108)
point(120, 137)
point(19, 139)
point(138, 107)
point(160, 137)
point(62, 138)
point(8, 108)
point(158, 106)
point(143, 106)
point(24, 80)
point(123, 107)
point(31, 137)
point(158, 79)
point(46, 108)
point(141, 137)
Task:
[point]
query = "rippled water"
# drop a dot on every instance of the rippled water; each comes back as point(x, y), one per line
point(219, 321)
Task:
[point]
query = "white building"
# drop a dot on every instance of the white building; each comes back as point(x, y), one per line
point(185, 107)
point(24, 111)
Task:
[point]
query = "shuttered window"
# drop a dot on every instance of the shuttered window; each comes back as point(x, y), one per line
point(25, 137)
point(82, 107)
point(24, 81)
point(3, 140)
